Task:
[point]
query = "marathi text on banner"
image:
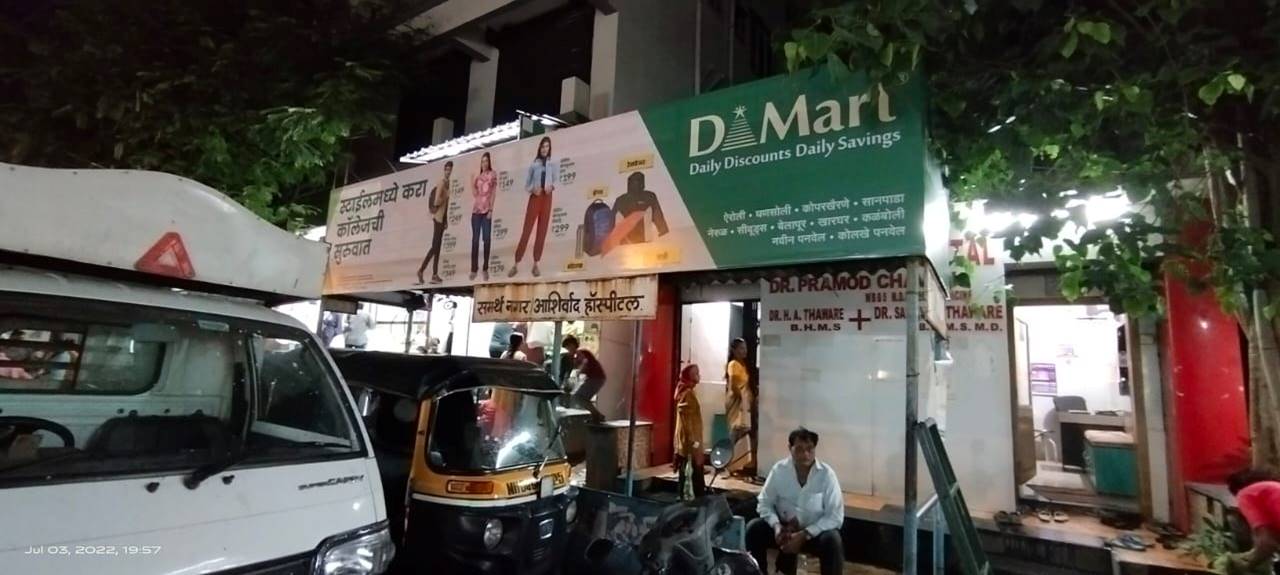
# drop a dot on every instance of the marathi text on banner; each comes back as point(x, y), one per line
point(615, 299)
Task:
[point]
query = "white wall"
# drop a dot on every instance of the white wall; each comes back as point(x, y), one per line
point(1153, 396)
point(846, 385)
point(1082, 346)
point(849, 387)
point(979, 432)
point(617, 356)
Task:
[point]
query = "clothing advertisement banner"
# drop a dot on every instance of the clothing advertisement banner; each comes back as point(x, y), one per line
point(622, 298)
point(791, 169)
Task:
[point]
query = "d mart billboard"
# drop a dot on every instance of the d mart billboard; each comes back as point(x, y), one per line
point(787, 170)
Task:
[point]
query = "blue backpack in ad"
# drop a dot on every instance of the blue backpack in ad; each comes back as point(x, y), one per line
point(597, 224)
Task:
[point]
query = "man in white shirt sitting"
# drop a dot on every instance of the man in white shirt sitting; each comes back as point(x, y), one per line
point(801, 510)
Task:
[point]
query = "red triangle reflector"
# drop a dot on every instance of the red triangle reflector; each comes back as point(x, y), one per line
point(168, 257)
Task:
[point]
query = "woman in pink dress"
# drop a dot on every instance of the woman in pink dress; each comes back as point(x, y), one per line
point(482, 188)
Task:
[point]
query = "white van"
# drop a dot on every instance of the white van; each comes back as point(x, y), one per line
point(155, 415)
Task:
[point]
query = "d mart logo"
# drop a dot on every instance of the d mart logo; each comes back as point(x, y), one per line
point(828, 116)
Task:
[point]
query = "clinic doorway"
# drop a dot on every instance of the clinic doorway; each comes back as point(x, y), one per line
point(707, 331)
point(1078, 426)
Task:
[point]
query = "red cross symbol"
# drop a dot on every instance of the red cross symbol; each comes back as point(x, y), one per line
point(861, 319)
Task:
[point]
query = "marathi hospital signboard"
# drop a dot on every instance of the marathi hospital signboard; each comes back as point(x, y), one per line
point(626, 298)
point(792, 169)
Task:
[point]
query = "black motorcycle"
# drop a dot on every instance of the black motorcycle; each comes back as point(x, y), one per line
point(682, 541)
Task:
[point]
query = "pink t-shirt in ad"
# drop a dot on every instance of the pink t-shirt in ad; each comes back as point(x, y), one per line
point(1260, 504)
point(485, 184)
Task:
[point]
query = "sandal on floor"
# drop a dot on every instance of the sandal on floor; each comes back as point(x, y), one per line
point(1121, 543)
point(1044, 516)
point(1135, 540)
point(1061, 517)
point(1166, 530)
point(1008, 518)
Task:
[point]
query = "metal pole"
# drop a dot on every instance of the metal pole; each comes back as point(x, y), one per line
point(555, 351)
point(320, 316)
point(927, 508)
point(431, 304)
point(939, 541)
point(408, 331)
point(910, 521)
point(631, 426)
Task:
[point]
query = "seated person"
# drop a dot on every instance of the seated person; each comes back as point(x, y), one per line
point(801, 510)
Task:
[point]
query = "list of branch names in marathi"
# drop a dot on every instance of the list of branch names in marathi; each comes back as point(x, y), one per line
point(836, 220)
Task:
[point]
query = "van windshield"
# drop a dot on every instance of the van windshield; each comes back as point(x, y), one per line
point(487, 428)
point(92, 388)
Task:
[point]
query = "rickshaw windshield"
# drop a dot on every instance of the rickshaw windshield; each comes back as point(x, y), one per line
point(487, 429)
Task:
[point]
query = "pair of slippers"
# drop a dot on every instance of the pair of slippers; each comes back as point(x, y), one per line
point(1129, 541)
point(1168, 536)
point(1046, 516)
point(1008, 519)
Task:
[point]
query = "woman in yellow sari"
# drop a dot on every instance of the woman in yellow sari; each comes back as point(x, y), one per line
point(738, 407)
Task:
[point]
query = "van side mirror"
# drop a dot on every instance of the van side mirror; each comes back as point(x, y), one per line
point(721, 454)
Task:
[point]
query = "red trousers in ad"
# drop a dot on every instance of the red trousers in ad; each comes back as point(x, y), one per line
point(537, 212)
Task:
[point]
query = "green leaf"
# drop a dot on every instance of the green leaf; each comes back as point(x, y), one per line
point(970, 6)
point(1209, 93)
point(839, 70)
point(118, 152)
point(815, 46)
point(1272, 310)
point(1131, 93)
point(1237, 81)
point(1071, 286)
point(886, 54)
point(872, 30)
point(1100, 100)
point(1069, 45)
point(1099, 31)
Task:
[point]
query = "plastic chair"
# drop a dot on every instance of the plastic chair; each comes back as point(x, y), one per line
point(1069, 403)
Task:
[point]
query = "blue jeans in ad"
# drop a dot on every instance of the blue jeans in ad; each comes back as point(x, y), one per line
point(481, 227)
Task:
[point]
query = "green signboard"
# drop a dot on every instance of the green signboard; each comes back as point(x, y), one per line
point(829, 170)
point(792, 169)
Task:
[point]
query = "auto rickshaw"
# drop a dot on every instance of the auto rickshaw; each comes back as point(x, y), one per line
point(471, 458)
